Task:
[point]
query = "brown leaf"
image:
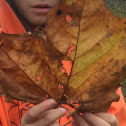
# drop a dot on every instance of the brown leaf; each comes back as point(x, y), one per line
point(34, 66)
point(32, 57)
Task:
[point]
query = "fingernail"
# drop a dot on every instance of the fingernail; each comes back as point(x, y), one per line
point(62, 110)
point(51, 101)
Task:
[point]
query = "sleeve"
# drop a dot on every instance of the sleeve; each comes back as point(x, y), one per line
point(3, 117)
point(119, 109)
point(0, 30)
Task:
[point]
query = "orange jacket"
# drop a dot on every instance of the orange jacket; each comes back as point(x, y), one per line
point(11, 113)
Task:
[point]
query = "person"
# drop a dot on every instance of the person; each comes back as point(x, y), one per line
point(19, 16)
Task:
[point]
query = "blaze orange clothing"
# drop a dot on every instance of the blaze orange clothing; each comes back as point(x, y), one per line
point(11, 113)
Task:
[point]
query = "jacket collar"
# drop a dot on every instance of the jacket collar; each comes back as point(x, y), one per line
point(10, 21)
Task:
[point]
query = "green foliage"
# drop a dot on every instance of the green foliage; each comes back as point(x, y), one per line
point(117, 7)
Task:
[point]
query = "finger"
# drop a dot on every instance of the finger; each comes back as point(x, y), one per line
point(95, 120)
point(37, 110)
point(54, 124)
point(111, 119)
point(50, 116)
point(74, 123)
point(78, 121)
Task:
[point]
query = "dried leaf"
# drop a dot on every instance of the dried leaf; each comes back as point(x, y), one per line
point(33, 66)
point(69, 2)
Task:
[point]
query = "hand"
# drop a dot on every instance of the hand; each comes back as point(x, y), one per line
point(43, 114)
point(97, 119)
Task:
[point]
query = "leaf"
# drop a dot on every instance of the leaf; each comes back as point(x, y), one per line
point(34, 66)
point(32, 57)
point(69, 2)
